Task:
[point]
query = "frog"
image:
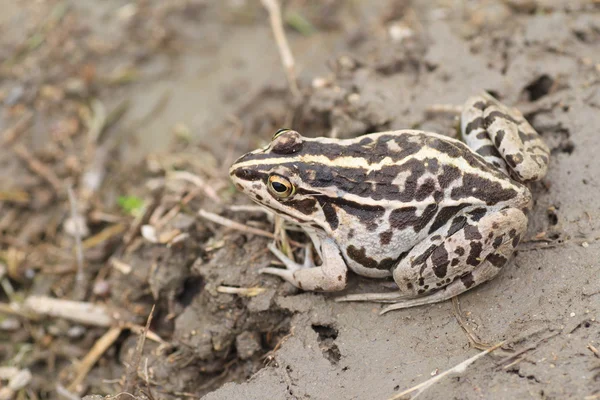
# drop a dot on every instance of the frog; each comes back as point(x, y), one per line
point(438, 215)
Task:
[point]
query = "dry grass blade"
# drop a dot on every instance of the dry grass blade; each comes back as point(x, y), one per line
point(84, 367)
point(287, 59)
point(247, 292)
point(217, 219)
point(81, 312)
point(15, 196)
point(458, 369)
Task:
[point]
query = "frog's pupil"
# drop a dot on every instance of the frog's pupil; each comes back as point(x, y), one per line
point(279, 187)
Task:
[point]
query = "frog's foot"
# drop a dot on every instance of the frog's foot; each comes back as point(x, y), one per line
point(329, 277)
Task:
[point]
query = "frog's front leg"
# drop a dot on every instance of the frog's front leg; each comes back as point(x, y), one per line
point(453, 260)
point(329, 277)
point(504, 138)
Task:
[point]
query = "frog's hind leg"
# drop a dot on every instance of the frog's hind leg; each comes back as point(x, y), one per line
point(465, 253)
point(474, 132)
point(511, 141)
point(489, 245)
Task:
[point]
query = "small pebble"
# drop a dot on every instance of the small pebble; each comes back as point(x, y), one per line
point(20, 380)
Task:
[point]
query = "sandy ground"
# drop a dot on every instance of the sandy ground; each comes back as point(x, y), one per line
point(219, 80)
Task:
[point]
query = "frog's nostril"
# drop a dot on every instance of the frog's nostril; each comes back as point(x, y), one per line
point(246, 174)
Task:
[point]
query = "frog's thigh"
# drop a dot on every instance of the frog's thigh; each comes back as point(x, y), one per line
point(517, 141)
point(474, 132)
point(447, 272)
point(329, 277)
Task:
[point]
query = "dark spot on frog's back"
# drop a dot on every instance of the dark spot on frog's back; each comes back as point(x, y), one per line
point(360, 256)
point(432, 165)
point(385, 237)
point(450, 149)
point(449, 174)
point(477, 213)
point(425, 190)
point(444, 215)
point(483, 189)
point(402, 218)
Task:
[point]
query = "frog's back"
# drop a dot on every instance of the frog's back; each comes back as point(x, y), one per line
point(408, 167)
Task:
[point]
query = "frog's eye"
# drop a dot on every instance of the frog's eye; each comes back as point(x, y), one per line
point(278, 133)
point(280, 187)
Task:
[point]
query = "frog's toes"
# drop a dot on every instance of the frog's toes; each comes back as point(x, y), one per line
point(290, 264)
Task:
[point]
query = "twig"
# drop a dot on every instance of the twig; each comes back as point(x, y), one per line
point(287, 59)
point(232, 224)
point(458, 369)
point(79, 276)
point(84, 367)
point(508, 360)
point(38, 167)
point(248, 292)
point(66, 394)
point(103, 235)
point(473, 339)
point(81, 312)
point(10, 135)
point(15, 196)
point(593, 350)
point(131, 374)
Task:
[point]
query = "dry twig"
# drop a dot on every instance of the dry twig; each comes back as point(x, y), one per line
point(247, 292)
point(233, 225)
point(84, 367)
point(287, 59)
point(81, 312)
point(593, 350)
point(458, 369)
point(131, 374)
point(473, 339)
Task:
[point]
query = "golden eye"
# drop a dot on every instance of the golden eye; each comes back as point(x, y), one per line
point(279, 132)
point(280, 187)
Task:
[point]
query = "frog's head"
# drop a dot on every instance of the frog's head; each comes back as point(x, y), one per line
point(282, 177)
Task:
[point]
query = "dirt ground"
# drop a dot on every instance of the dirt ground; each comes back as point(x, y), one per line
point(140, 107)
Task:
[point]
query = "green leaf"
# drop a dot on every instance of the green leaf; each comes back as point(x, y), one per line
point(131, 204)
